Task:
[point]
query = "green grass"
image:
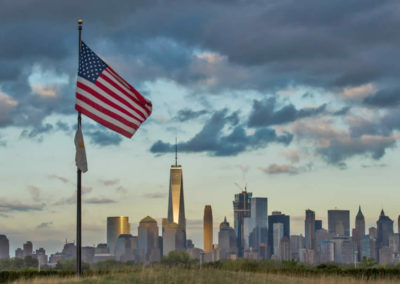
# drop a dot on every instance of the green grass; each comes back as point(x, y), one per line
point(207, 276)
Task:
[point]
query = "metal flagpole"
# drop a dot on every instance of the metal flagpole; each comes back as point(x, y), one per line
point(79, 192)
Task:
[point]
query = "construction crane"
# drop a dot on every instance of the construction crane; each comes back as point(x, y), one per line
point(241, 188)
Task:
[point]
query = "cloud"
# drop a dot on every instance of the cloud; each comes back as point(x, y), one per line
point(211, 140)
point(35, 192)
point(7, 106)
point(109, 182)
point(335, 145)
point(99, 200)
point(274, 169)
point(45, 91)
point(60, 178)
point(104, 137)
point(44, 225)
point(266, 113)
point(155, 195)
point(359, 92)
point(9, 206)
point(188, 114)
point(384, 98)
point(292, 155)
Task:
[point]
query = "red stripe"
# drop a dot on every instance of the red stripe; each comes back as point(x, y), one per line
point(107, 101)
point(118, 87)
point(119, 78)
point(106, 111)
point(103, 122)
point(115, 96)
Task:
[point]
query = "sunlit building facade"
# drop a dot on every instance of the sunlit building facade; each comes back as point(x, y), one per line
point(208, 229)
point(116, 226)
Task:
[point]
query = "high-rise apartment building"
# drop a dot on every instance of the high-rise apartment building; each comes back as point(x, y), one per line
point(116, 226)
point(339, 222)
point(208, 229)
point(241, 210)
point(310, 229)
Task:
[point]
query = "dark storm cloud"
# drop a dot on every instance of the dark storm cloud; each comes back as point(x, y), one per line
point(188, 114)
point(212, 140)
point(266, 113)
point(104, 137)
point(384, 98)
point(212, 45)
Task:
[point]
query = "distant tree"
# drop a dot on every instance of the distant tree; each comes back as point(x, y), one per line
point(70, 265)
point(30, 262)
point(368, 262)
point(177, 258)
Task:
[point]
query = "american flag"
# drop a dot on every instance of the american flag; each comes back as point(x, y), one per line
point(104, 96)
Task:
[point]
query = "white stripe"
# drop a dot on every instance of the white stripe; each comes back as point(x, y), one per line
point(107, 96)
point(107, 106)
point(111, 77)
point(121, 95)
point(116, 75)
point(104, 116)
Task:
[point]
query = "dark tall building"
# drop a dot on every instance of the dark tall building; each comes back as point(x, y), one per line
point(385, 229)
point(241, 210)
point(310, 229)
point(4, 247)
point(277, 217)
point(318, 225)
point(226, 240)
point(28, 249)
point(359, 232)
point(398, 224)
point(339, 222)
point(176, 203)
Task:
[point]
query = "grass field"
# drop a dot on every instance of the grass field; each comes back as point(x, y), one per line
point(207, 276)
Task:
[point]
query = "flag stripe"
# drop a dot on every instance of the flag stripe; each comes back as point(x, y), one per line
point(117, 87)
point(104, 116)
point(102, 108)
point(106, 87)
point(95, 91)
point(105, 123)
point(122, 87)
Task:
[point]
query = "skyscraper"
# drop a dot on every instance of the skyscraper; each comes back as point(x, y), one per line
point(385, 229)
point(208, 229)
point(310, 229)
point(116, 226)
point(257, 223)
point(277, 217)
point(277, 229)
point(241, 210)
point(148, 244)
point(339, 222)
point(172, 237)
point(28, 248)
point(359, 232)
point(226, 240)
point(176, 205)
point(4, 247)
point(318, 225)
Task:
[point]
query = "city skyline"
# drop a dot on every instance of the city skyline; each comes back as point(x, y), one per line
point(304, 117)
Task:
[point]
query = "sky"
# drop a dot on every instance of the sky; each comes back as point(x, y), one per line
point(299, 102)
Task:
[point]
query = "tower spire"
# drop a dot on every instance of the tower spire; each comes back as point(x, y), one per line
point(176, 151)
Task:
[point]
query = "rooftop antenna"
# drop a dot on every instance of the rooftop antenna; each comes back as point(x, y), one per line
point(176, 151)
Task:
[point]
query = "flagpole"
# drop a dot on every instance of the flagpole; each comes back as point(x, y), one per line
point(79, 181)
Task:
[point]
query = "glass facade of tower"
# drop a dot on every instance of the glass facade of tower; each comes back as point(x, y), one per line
point(256, 226)
point(277, 217)
point(339, 222)
point(241, 210)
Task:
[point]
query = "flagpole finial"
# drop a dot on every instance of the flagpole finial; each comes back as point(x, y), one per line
point(80, 22)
